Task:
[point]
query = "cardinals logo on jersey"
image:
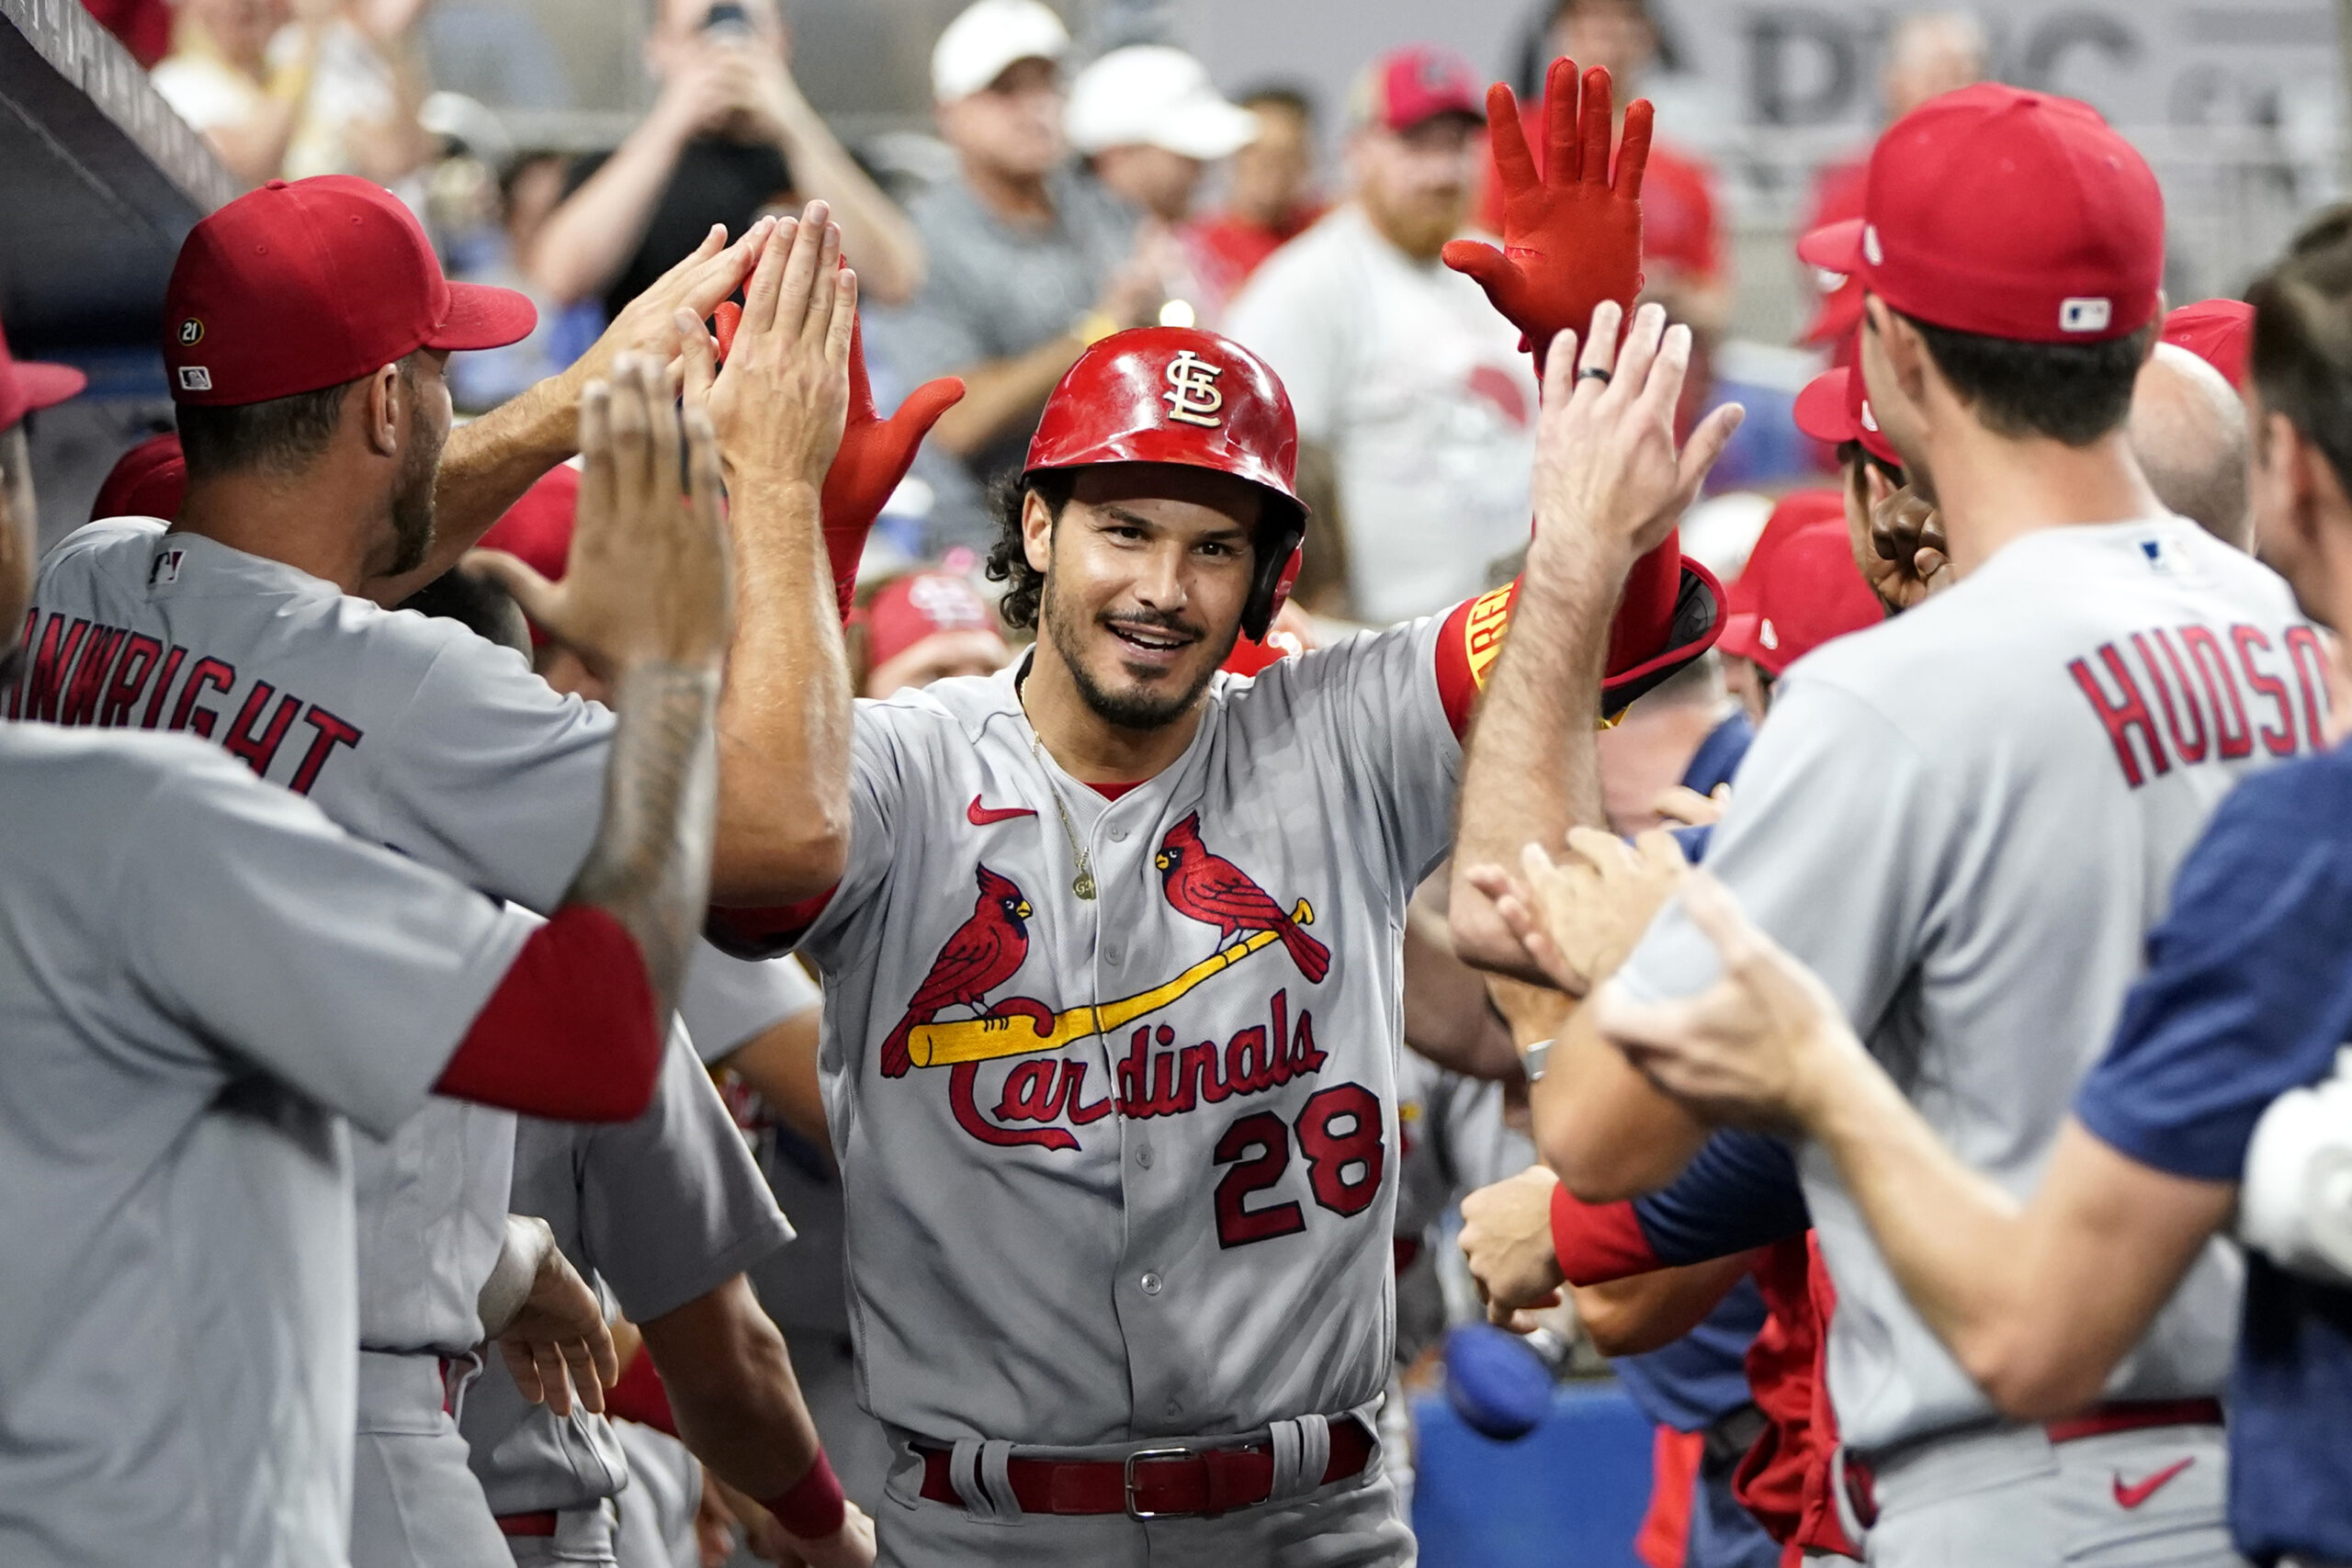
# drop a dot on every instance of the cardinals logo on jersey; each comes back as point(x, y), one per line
point(1216, 892)
point(986, 950)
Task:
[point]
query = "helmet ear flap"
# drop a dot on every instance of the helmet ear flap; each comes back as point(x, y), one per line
point(1277, 570)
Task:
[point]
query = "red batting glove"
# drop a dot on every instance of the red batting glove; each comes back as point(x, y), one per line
point(875, 452)
point(1572, 237)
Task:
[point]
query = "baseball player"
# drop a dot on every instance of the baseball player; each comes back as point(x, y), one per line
point(665, 1213)
point(202, 976)
point(2048, 1300)
point(2043, 740)
point(1189, 891)
point(310, 477)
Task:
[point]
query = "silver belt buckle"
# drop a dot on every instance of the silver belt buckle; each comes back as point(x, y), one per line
point(1127, 1490)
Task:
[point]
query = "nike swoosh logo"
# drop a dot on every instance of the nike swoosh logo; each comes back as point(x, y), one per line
point(982, 816)
point(2132, 1496)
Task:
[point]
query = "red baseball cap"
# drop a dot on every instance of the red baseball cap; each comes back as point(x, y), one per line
point(1805, 591)
point(310, 284)
point(1835, 407)
point(2009, 214)
point(149, 481)
point(2219, 332)
point(27, 385)
point(918, 606)
point(1419, 82)
point(537, 528)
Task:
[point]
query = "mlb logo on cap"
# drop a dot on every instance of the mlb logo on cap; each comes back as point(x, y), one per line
point(2085, 315)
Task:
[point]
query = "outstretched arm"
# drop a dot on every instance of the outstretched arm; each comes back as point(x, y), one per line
point(491, 461)
point(2038, 1300)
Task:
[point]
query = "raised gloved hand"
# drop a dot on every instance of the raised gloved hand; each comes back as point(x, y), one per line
point(874, 456)
point(1571, 235)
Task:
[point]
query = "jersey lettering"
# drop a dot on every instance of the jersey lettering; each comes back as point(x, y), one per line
point(2219, 681)
point(2307, 655)
point(162, 685)
point(45, 682)
point(2128, 713)
point(333, 732)
point(2279, 740)
point(2195, 680)
point(140, 652)
point(208, 672)
point(257, 747)
point(86, 674)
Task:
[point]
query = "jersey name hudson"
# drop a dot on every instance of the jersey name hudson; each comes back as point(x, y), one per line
point(2180, 687)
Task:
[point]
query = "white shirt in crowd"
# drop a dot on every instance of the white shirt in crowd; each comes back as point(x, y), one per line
point(1405, 371)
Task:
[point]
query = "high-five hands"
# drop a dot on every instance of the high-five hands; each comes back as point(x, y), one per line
point(1607, 476)
point(1572, 234)
point(781, 400)
point(1578, 917)
point(1757, 1047)
point(874, 454)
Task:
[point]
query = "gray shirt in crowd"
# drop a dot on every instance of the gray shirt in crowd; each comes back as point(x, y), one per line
point(996, 289)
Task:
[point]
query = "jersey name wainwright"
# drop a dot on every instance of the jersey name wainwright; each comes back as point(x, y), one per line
point(81, 672)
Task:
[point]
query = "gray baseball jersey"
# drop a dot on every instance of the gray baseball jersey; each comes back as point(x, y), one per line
point(189, 1007)
point(1965, 821)
point(410, 731)
point(1123, 1167)
point(659, 1210)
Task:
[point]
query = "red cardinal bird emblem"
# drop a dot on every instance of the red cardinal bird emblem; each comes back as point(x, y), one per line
point(984, 953)
point(1219, 893)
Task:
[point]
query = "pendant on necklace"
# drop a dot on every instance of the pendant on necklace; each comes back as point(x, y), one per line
point(1083, 883)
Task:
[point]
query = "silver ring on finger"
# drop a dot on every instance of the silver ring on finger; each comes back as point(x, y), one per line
point(1594, 373)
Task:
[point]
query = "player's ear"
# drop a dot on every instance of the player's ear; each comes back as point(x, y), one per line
point(384, 397)
point(1036, 531)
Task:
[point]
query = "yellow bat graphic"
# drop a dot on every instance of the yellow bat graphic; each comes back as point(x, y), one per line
point(988, 1039)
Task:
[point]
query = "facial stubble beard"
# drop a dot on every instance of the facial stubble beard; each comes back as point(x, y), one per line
point(412, 503)
point(1063, 625)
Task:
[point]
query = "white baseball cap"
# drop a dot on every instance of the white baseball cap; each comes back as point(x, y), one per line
point(1151, 95)
point(988, 35)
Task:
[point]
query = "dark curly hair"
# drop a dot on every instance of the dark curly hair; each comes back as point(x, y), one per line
point(1008, 560)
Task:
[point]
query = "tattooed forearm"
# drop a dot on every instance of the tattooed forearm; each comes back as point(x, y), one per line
point(650, 868)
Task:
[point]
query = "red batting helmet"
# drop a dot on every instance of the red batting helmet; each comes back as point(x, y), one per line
point(1179, 395)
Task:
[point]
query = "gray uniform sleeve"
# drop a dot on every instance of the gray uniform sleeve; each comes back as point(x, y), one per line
point(346, 971)
point(671, 1205)
point(728, 1002)
point(1831, 846)
point(495, 776)
point(1372, 702)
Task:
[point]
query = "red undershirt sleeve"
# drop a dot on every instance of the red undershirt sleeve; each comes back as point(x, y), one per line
point(572, 1032)
point(1597, 1242)
point(764, 934)
point(640, 1396)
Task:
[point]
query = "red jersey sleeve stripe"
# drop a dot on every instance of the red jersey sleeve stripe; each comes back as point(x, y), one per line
point(571, 1033)
point(764, 933)
point(1597, 1242)
point(1467, 646)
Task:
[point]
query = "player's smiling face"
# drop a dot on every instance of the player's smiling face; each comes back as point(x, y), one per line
point(1147, 573)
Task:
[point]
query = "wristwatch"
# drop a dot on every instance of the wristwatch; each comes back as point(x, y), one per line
point(1533, 1059)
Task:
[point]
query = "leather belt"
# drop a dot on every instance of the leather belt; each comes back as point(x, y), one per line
point(539, 1524)
point(1152, 1483)
point(2098, 1421)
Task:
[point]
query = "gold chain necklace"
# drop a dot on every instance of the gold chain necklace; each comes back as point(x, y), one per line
point(1083, 882)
